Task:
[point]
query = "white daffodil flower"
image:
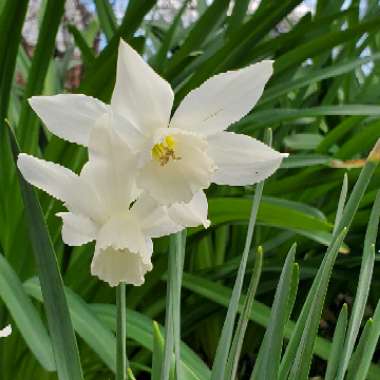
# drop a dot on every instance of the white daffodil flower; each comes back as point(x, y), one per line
point(6, 331)
point(178, 156)
point(102, 206)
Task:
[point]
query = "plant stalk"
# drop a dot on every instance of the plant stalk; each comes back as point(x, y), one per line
point(121, 334)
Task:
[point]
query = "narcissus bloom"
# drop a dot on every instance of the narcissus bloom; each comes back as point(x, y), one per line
point(6, 331)
point(104, 205)
point(176, 156)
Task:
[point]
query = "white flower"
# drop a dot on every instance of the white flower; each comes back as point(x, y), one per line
point(6, 331)
point(102, 206)
point(180, 156)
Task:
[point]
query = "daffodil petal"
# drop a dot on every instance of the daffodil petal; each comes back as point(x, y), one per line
point(180, 178)
point(77, 229)
point(191, 214)
point(222, 100)
point(155, 220)
point(115, 266)
point(140, 94)
point(125, 130)
point(111, 170)
point(122, 252)
point(242, 160)
point(6, 331)
point(60, 182)
point(69, 116)
point(123, 231)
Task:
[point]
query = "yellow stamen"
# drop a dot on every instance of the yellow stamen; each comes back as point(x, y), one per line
point(164, 151)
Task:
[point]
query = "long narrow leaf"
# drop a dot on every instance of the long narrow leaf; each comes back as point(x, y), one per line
point(28, 123)
point(106, 17)
point(303, 355)
point(237, 343)
point(268, 360)
point(57, 312)
point(25, 315)
point(103, 342)
point(362, 292)
point(337, 343)
point(224, 344)
point(302, 364)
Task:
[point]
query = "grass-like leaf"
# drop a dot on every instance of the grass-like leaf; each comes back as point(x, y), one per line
point(220, 364)
point(337, 343)
point(158, 352)
point(268, 360)
point(106, 17)
point(303, 354)
point(97, 336)
point(237, 343)
point(29, 123)
point(25, 315)
point(60, 327)
point(362, 292)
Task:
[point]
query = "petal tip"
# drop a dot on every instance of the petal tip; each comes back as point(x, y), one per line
point(22, 158)
point(6, 331)
point(35, 101)
point(207, 223)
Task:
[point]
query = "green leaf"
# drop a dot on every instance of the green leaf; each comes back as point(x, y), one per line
point(301, 357)
point(302, 340)
point(157, 352)
point(268, 361)
point(159, 59)
point(87, 54)
point(362, 353)
point(309, 77)
point(293, 290)
point(134, 15)
point(303, 141)
point(61, 331)
point(86, 324)
point(362, 291)
point(360, 187)
point(361, 141)
point(341, 203)
point(260, 313)
point(327, 41)
point(337, 343)
point(340, 131)
point(210, 20)
point(237, 343)
point(28, 126)
point(106, 17)
point(367, 346)
point(139, 329)
point(25, 316)
point(238, 14)
point(265, 118)
point(224, 344)
point(272, 212)
point(101, 318)
point(304, 160)
point(229, 55)
point(11, 22)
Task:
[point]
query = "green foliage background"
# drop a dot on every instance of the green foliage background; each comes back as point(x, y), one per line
point(322, 105)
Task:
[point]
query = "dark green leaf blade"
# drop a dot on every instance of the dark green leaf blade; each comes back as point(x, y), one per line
point(57, 312)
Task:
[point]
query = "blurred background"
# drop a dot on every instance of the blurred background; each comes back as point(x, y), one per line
point(83, 15)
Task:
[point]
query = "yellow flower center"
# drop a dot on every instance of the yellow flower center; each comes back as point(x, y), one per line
point(164, 151)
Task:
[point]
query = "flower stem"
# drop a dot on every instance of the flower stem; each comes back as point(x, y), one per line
point(121, 334)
